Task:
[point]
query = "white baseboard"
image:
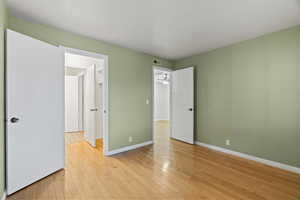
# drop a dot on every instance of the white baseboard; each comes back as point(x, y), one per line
point(4, 195)
point(161, 120)
point(261, 160)
point(128, 148)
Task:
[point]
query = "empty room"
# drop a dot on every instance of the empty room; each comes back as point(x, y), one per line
point(148, 99)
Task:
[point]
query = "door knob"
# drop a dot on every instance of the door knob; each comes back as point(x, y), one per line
point(14, 120)
point(94, 109)
point(190, 109)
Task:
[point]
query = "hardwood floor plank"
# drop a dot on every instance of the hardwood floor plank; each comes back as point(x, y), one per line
point(167, 170)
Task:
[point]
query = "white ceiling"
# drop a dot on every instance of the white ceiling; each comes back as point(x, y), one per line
point(168, 28)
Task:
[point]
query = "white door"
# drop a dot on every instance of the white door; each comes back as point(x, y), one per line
point(99, 117)
point(90, 106)
point(80, 101)
point(71, 104)
point(35, 110)
point(183, 105)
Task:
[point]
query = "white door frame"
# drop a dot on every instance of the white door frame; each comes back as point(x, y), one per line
point(154, 67)
point(105, 91)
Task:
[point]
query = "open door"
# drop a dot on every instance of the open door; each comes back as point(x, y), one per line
point(182, 114)
point(90, 106)
point(34, 110)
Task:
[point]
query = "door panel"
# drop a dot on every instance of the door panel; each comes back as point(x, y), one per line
point(71, 104)
point(99, 117)
point(90, 106)
point(34, 96)
point(183, 105)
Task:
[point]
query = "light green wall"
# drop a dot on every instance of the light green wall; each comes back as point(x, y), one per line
point(249, 93)
point(130, 81)
point(2, 56)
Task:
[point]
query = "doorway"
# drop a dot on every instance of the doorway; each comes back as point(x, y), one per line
point(161, 104)
point(173, 105)
point(86, 98)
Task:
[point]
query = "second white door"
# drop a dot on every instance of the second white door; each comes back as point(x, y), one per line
point(90, 106)
point(182, 116)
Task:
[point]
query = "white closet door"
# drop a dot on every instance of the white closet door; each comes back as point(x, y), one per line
point(35, 110)
point(183, 105)
point(99, 117)
point(90, 106)
point(71, 104)
point(81, 102)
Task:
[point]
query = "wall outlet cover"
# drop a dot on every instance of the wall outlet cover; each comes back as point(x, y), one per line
point(227, 142)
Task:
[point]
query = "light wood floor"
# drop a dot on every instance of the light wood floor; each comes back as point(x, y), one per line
point(74, 137)
point(167, 170)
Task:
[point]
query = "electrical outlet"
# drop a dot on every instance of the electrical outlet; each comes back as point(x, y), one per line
point(130, 139)
point(227, 142)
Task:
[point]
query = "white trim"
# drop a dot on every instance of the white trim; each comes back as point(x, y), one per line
point(154, 67)
point(4, 195)
point(162, 68)
point(105, 105)
point(81, 74)
point(105, 91)
point(128, 148)
point(63, 111)
point(249, 157)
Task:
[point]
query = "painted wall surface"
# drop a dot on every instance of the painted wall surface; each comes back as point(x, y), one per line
point(249, 93)
point(162, 99)
point(130, 81)
point(2, 56)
